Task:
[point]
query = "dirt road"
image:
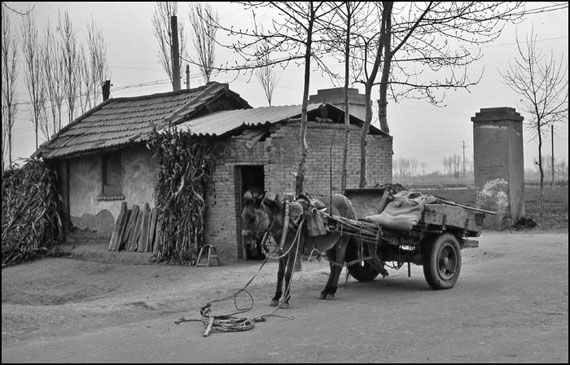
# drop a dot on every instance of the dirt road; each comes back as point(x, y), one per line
point(509, 305)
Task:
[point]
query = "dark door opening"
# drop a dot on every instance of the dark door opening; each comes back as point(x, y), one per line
point(247, 178)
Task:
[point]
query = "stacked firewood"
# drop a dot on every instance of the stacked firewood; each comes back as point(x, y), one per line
point(137, 230)
point(30, 220)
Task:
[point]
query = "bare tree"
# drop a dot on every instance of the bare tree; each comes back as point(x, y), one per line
point(85, 80)
point(542, 84)
point(35, 82)
point(349, 19)
point(161, 21)
point(295, 33)
point(427, 36)
point(456, 162)
point(561, 167)
point(9, 77)
point(266, 74)
point(5, 6)
point(54, 72)
point(71, 58)
point(93, 67)
point(413, 166)
point(98, 65)
point(448, 165)
point(203, 21)
point(395, 166)
point(374, 45)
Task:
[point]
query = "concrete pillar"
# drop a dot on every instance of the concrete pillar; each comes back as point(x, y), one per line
point(335, 96)
point(499, 165)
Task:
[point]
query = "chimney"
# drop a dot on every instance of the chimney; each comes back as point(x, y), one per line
point(106, 89)
point(175, 54)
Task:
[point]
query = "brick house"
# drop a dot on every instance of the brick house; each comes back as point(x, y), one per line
point(102, 159)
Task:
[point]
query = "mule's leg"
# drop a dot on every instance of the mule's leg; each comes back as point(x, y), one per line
point(336, 256)
point(280, 274)
point(340, 257)
point(288, 273)
point(328, 290)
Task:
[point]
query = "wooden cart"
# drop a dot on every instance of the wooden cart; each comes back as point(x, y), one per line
point(435, 243)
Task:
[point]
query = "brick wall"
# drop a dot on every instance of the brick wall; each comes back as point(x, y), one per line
point(279, 155)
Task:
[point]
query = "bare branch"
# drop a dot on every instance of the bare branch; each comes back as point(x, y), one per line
point(203, 21)
point(34, 74)
point(542, 84)
point(9, 77)
point(161, 21)
point(70, 54)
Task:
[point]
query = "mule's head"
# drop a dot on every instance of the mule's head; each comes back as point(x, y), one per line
point(256, 218)
point(265, 211)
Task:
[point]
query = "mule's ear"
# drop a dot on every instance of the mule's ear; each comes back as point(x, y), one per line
point(270, 196)
point(247, 197)
point(271, 200)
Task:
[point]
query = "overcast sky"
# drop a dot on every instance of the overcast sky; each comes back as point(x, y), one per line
point(420, 131)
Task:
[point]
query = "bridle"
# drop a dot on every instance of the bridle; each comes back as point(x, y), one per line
point(287, 224)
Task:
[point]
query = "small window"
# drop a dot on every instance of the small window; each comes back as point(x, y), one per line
point(111, 176)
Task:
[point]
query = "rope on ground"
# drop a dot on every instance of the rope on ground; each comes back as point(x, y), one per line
point(231, 323)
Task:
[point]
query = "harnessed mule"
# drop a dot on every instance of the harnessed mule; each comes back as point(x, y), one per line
point(269, 214)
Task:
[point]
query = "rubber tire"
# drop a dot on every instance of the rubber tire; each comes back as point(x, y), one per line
point(437, 250)
point(360, 273)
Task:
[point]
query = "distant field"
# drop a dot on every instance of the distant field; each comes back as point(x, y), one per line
point(555, 203)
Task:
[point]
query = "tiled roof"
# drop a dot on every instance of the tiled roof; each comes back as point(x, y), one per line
point(123, 121)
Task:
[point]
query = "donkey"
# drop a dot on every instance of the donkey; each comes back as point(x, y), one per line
point(265, 213)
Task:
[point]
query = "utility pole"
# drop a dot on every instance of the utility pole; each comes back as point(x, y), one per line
point(175, 54)
point(552, 155)
point(463, 158)
point(187, 76)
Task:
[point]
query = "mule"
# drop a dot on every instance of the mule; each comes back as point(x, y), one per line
point(265, 213)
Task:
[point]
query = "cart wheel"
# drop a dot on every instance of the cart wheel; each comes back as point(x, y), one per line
point(442, 261)
point(361, 271)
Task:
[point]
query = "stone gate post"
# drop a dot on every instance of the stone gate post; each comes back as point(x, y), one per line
point(499, 165)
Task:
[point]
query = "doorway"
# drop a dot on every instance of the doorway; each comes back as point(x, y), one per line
point(247, 177)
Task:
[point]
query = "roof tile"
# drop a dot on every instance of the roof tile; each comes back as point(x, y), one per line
point(123, 120)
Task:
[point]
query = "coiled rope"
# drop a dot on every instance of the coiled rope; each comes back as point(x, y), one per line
point(231, 323)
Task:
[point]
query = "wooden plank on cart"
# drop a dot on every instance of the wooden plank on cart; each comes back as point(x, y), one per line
point(383, 201)
point(444, 215)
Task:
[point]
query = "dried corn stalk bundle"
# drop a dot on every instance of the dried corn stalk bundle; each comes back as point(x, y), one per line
point(30, 218)
point(184, 179)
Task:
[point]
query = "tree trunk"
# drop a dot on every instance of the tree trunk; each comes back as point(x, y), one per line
point(9, 137)
point(364, 133)
point(300, 177)
point(552, 157)
point(540, 169)
point(382, 101)
point(36, 131)
point(346, 107)
point(386, 13)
